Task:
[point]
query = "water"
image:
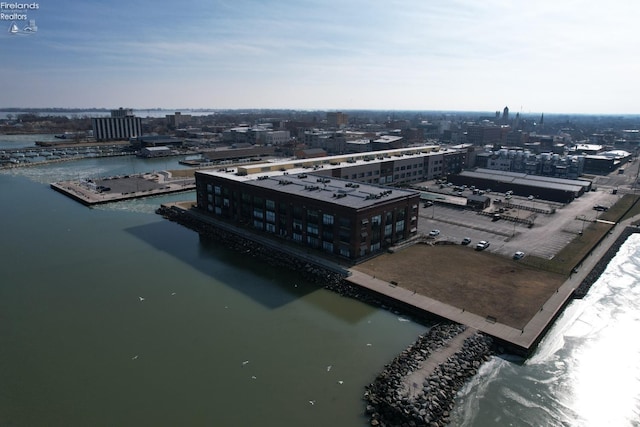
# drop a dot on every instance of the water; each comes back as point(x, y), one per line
point(78, 347)
point(585, 371)
point(15, 142)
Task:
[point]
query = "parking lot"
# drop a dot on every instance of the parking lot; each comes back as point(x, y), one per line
point(545, 238)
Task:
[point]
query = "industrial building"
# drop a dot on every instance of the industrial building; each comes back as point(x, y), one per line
point(606, 162)
point(339, 217)
point(541, 187)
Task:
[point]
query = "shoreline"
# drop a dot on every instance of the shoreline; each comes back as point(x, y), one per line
point(402, 394)
point(594, 274)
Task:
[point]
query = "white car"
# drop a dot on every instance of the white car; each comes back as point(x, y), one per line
point(518, 255)
point(434, 233)
point(482, 244)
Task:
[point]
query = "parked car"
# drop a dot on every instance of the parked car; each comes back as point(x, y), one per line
point(600, 208)
point(482, 244)
point(466, 241)
point(434, 233)
point(518, 255)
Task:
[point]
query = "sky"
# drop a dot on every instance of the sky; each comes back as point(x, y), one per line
point(551, 56)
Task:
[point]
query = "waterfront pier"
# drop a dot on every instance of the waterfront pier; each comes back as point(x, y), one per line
point(113, 189)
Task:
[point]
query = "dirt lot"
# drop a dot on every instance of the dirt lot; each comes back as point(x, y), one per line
point(480, 282)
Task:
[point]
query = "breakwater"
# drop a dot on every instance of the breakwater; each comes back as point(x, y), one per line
point(395, 399)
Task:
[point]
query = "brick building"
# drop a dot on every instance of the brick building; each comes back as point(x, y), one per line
point(342, 218)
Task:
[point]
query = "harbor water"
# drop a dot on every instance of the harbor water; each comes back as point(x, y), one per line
point(114, 316)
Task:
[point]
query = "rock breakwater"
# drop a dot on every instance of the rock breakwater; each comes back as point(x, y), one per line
point(391, 401)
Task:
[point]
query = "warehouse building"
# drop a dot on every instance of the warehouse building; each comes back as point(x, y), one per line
point(542, 187)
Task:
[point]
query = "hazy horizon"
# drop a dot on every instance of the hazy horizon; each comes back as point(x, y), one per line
point(311, 110)
point(558, 58)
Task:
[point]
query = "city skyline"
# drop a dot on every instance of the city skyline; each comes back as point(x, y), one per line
point(452, 56)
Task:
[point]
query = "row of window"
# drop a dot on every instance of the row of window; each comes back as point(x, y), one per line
point(311, 227)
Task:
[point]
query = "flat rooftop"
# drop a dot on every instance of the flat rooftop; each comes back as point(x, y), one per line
point(574, 185)
point(335, 161)
point(328, 189)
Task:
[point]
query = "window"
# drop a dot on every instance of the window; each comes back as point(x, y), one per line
point(271, 228)
point(218, 189)
point(313, 241)
point(312, 216)
point(258, 224)
point(375, 220)
point(271, 216)
point(327, 246)
point(312, 229)
point(400, 226)
point(327, 219)
point(297, 237)
point(297, 212)
point(258, 213)
point(388, 230)
point(271, 205)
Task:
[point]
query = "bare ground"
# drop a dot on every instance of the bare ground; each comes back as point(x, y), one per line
point(479, 282)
